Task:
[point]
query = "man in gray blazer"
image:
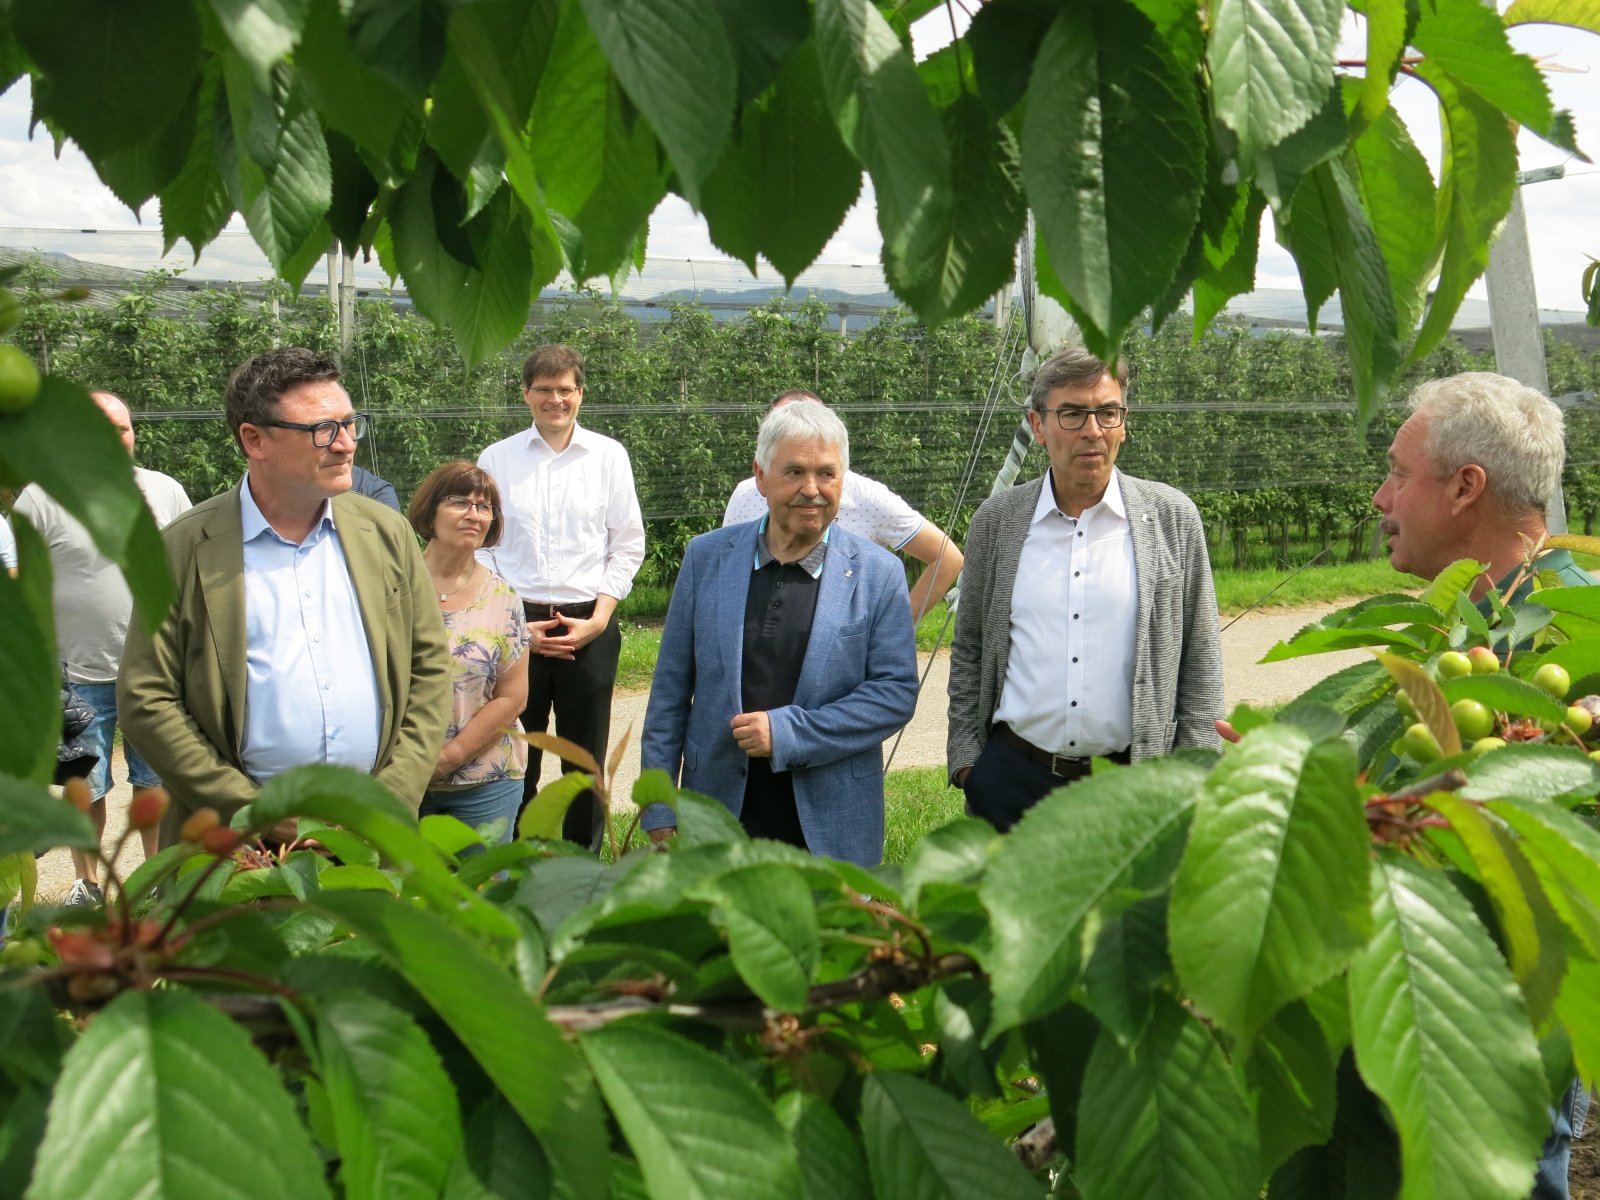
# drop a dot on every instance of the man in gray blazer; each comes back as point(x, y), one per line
point(788, 657)
point(1088, 621)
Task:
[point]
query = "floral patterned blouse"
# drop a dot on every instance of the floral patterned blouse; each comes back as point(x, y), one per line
point(487, 638)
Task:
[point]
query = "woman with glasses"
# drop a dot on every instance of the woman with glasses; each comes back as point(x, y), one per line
point(478, 778)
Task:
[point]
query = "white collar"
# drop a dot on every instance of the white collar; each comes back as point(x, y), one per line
point(580, 439)
point(1112, 501)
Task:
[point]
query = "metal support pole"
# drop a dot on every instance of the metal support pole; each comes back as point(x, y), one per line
point(1514, 320)
point(347, 306)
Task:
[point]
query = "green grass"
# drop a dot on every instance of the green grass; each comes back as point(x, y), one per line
point(1238, 590)
point(916, 801)
point(645, 604)
point(637, 661)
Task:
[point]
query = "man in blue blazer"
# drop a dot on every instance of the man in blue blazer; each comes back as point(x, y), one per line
point(788, 657)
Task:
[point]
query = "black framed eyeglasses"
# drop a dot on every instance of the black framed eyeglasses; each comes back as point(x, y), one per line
point(1070, 416)
point(325, 433)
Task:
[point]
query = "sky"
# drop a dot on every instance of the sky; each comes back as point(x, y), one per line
point(45, 201)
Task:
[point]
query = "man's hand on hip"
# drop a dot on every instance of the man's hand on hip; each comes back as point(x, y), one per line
point(753, 732)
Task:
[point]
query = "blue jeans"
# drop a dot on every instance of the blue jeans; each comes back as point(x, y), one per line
point(102, 697)
point(477, 806)
point(1550, 1178)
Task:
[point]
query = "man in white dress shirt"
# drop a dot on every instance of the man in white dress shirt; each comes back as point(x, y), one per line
point(571, 542)
point(869, 509)
point(92, 605)
point(1088, 623)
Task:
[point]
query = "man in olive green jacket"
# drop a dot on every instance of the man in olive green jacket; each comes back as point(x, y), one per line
point(305, 629)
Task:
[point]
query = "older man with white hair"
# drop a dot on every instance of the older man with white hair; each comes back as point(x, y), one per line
point(1471, 473)
point(788, 657)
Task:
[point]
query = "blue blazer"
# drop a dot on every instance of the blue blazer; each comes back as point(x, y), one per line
point(858, 686)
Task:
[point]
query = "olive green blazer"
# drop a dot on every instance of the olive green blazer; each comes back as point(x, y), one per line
point(181, 693)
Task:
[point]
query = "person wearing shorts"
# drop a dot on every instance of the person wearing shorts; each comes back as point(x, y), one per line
point(92, 606)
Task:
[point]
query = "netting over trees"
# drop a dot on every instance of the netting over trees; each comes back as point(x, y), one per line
point(1252, 425)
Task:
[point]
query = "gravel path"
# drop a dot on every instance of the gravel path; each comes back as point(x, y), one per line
point(922, 745)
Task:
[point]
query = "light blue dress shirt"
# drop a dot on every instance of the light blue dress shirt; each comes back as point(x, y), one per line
point(311, 693)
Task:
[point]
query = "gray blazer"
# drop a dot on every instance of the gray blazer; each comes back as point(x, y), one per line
point(1177, 660)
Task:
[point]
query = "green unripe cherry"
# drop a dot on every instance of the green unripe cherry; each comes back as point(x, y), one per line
point(1553, 678)
point(19, 380)
point(1485, 744)
point(1578, 720)
point(1420, 744)
point(1453, 665)
point(1484, 661)
point(1473, 719)
point(1407, 707)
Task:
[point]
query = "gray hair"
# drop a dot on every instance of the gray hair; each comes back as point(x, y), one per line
point(809, 422)
point(792, 395)
point(1510, 430)
point(1072, 367)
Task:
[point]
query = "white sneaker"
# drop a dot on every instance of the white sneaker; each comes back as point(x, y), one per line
point(83, 892)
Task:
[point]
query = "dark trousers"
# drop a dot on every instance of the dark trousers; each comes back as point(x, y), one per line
point(1004, 783)
point(579, 694)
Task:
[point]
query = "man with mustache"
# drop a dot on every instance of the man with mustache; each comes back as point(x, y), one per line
point(305, 629)
point(1088, 621)
point(868, 508)
point(788, 657)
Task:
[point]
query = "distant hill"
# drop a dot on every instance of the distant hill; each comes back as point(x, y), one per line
point(1262, 309)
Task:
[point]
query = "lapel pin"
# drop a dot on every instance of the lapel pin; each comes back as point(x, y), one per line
point(848, 573)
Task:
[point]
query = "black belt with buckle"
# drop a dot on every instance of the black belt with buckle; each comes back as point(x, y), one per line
point(1062, 765)
point(535, 611)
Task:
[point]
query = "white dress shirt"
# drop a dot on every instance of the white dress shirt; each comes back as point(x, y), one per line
point(866, 508)
point(311, 689)
point(1074, 610)
point(571, 526)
